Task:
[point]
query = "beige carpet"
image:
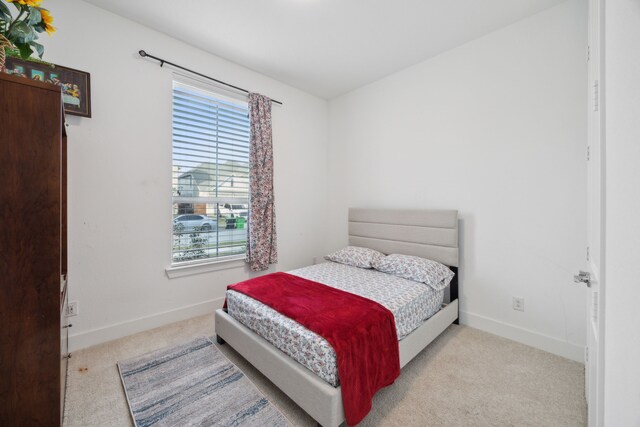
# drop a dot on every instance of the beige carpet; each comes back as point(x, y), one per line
point(465, 378)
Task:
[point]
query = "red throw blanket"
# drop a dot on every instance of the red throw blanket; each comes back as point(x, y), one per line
point(361, 331)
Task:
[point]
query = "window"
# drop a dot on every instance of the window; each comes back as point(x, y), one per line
point(210, 175)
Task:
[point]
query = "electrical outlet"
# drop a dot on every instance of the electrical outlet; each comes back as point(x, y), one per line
point(518, 303)
point(72, 308)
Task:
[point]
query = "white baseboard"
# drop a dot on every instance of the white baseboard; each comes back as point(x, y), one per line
point(133, 326)
point(523, 336)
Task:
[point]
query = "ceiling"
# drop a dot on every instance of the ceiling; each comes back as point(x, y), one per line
point(325, 47)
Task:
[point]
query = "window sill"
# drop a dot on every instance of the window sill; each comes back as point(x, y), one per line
point(205, 267)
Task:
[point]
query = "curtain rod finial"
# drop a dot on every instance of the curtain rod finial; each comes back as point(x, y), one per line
point(142, 53)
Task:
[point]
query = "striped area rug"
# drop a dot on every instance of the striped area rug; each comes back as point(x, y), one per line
point(193, 384)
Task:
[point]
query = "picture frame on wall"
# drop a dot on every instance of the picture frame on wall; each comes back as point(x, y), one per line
point(75, 84)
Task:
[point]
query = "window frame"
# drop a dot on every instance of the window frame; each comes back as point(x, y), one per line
point(202, 265)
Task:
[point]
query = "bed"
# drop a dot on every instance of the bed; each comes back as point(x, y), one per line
point(431, 234)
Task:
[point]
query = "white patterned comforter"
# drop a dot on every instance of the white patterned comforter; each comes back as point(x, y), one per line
point(410, 302)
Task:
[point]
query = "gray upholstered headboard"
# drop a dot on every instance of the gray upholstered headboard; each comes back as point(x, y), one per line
point(427, 233)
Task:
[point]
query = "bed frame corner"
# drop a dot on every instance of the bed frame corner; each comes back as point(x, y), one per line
point(453, 292)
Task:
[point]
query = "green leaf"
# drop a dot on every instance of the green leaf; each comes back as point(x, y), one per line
point(22, 33)
point(25, 50)
point(34, 17)
point(38, 47)
point(4, 10)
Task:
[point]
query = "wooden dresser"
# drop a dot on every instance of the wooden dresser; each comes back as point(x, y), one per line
point(33, 253)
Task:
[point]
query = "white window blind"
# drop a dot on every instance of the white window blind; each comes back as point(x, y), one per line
point(210, 175)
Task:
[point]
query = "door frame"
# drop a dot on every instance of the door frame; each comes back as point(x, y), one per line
point(594, 363)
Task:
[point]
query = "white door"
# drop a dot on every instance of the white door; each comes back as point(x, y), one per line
point(594, 370)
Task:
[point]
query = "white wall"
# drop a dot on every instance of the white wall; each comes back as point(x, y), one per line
point(120, 175)
point(622, 102)
point(497, 129)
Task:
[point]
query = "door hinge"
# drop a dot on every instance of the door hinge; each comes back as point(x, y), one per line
point(588, 53)
point(587, 253)
point(586, 354)
point(596, 94)
point(588, 153)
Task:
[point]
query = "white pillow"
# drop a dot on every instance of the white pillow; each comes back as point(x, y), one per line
point(356, 256)
point(434, 274)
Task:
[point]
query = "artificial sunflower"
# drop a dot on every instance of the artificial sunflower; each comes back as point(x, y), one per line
point(47, 19)
point(32, 3)
point(21, 28)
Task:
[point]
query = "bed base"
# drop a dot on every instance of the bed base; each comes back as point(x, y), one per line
point(319, 399)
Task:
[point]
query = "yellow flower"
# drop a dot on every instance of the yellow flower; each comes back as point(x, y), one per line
point(32, 3)
point(48, 20)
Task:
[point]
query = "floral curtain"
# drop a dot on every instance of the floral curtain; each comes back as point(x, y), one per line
point(261, 243)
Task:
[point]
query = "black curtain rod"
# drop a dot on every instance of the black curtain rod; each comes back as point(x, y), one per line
point(163, 61)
